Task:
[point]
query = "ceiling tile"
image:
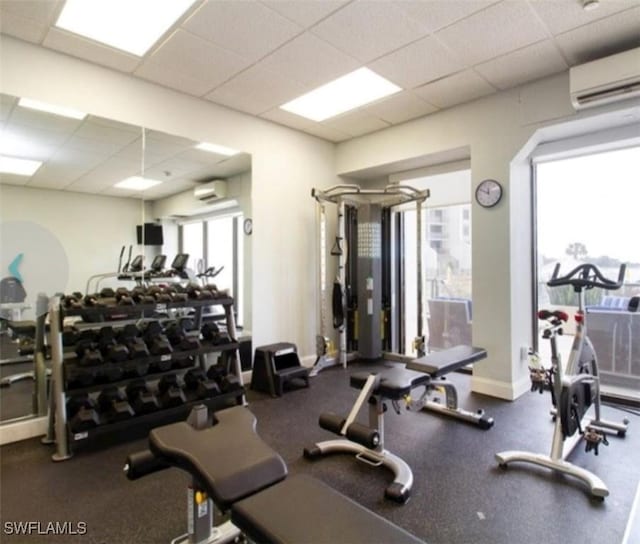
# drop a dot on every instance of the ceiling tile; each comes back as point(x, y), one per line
point(529, 63)
point(40, 11)
point(7, 104)
point(305, 12)
point(401, 107)
point(436, 14)
point(189, 63)
point(455, 89)
point(201, 157)
point(11, 179)
point(418, 63)
point(30, 143)
point(56, 176)
point(368, 29)
point(19, 27)
point(494, 31)
point(291, 120)
point(77, 46)
point(93, 146)
point(256, 90)
point(249, 29)
point(602, 38)
point(292, 61)
point(51, 122)
point(102, 133)
point(356, 123)
point(563, 15)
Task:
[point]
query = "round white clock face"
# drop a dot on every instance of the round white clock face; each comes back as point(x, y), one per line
point(488, 193)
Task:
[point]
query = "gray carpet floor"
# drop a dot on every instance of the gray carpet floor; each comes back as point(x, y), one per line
point(459, 495)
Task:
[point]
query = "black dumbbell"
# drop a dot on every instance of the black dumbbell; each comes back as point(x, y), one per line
point(229, 383)
point(69, 336)
point(110, 349)
point(195, 380)
point(156, 340)
point(180, 339)
point(107, 292)
point(82, 413)
point(141, 398)
point(170, 393)
point(88, 353)
point(210, 332)
point(79, 377)
point(70, 301)
point(114, 405)
point(130, 337)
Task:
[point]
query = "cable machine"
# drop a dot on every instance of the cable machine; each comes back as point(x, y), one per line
point(360, 299)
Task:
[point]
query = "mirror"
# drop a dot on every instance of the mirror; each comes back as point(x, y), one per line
point(66, 223)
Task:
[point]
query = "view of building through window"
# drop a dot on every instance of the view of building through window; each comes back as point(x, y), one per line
point(446, 258)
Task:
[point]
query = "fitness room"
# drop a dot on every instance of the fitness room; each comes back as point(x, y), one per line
point(246, 246)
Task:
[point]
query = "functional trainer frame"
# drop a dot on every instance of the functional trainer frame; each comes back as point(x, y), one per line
point(371, 202)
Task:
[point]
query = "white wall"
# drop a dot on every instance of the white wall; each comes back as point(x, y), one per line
point(91, 228)
point(286, 164)
point(495, 129)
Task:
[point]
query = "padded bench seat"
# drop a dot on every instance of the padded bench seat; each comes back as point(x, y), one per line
point(228, 459)
point(439, 363)
point(395, 383)
point(305, 510)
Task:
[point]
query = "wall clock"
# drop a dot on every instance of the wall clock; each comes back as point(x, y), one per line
point(488, 193)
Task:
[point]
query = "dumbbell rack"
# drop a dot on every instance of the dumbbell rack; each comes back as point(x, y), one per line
point(59, 430)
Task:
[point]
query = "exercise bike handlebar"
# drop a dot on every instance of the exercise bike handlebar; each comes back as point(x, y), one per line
point(586, 276)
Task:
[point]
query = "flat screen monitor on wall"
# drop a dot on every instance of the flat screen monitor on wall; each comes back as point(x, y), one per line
point(152, 234)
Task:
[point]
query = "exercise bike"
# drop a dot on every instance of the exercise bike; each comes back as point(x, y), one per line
point(574, 389)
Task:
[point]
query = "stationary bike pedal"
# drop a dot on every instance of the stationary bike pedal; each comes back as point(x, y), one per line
point(593, 438)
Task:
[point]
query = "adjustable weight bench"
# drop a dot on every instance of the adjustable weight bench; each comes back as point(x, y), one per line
point(233, 468)
point(395, 385)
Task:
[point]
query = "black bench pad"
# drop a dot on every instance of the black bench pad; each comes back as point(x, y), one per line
point(395, 383)
point(439, 363)
point(228, 459)
point(305, 510)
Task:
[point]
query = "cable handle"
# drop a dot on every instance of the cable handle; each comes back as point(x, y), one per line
point(586, 276)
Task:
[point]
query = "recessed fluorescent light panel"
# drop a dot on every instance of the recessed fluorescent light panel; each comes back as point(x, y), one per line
point(129, 25)
point(343, 94)
point(19, 167)
point(137, 183)
point(50, 108)
point(219, 149)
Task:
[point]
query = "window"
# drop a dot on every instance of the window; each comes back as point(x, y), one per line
point(587, 210)
point(218, 243)
point(446, 261)
point(192, 239)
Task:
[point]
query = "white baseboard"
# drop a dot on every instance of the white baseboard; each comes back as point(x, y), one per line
point(21, 430)
point(499, 389)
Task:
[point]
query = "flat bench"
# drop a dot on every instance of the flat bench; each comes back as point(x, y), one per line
point(439, 363)
point(240, 473)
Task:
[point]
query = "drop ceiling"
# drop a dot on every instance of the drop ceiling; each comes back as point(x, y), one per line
point(93, 154)
point(253, 56)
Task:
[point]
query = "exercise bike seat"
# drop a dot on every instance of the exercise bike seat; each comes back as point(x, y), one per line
point(439, 363)
point(228, 459)
point(395, 383)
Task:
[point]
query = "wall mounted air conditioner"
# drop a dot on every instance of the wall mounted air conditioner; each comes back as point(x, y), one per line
point(211, 191)
point(605, 80)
